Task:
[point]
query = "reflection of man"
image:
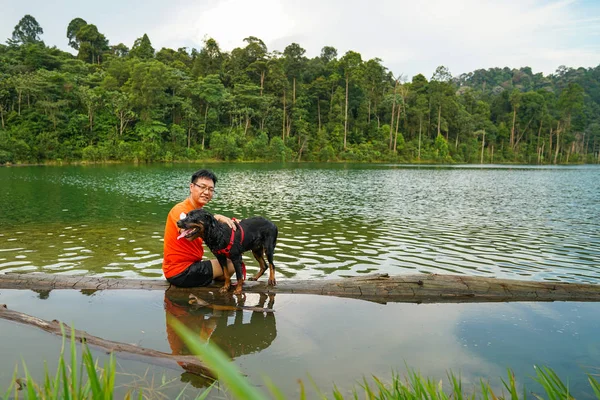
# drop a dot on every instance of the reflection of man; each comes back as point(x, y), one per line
point(232, 335)
point(201, 322)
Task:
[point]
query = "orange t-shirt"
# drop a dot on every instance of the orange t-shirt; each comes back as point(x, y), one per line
point(179, 254)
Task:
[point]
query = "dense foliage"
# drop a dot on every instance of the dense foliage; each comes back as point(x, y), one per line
point(114, 103)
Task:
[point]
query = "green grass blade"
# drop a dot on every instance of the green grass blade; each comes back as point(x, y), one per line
point(56, 383)
point(73, 378)
point(202, 395)
point(67, 388)
point(90, 367)
point(109, 378)
point(12, 384)
point(218, 362)
point(302, 390)
point(275, 391)
point(31, 393)
point(595, 385)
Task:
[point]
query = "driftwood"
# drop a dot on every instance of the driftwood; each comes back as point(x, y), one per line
point(123, 350)
point(421, 288)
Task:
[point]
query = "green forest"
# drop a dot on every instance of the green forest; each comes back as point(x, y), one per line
point(115, 103)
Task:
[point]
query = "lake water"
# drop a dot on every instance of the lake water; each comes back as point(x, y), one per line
point(533, 223)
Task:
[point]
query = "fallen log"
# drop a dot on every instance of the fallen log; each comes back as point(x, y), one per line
point(420, 288)
point(122, 350)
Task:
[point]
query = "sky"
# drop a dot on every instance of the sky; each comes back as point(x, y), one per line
point(409, 36)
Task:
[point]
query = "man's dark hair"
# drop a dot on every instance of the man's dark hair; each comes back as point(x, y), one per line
point(204, 173)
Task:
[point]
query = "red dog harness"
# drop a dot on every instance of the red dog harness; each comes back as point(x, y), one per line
point(227, 249)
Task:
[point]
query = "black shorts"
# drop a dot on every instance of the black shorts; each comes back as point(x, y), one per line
point(198, 274)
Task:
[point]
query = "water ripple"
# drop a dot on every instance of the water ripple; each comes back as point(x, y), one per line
point(527, 223)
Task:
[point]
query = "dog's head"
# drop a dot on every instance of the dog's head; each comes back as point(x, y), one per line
point(195, 224)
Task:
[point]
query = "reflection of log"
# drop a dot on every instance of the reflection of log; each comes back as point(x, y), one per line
point(380, 287)
point(122, 350)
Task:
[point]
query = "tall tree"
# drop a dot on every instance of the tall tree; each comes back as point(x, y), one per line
point(515, 102)
point(293, 58)
point(74, 26)
point(440, 93)
point(27, 31)
point(91, 44)
point(350, 64)
point(142, 48)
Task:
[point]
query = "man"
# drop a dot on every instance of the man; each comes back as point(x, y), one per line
point(183, 265)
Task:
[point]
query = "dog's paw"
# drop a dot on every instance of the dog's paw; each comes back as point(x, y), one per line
point(272, 282)
point(252, 278)
point(224, 289)
point(238, 290)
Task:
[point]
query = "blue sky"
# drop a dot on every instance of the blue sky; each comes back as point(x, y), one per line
point(410, 36)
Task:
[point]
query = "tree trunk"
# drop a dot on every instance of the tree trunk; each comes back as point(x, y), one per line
point(439, 132)
point(420, 126)
point(283, 118)
point(557, 142)
point(205, 122)
point(262, 82)
point(550, 146)
point(482, 146)
point(319, 113)
point(123, 350)
point(247, 125)
point(512, 131)
point(417, 288)
point(346, 113)
point(90, 119)
point(302, 149)
point(397, 123)
point(539, 138)
point(393, 114)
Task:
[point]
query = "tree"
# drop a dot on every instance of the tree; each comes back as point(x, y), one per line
point(515, 102)
point(350, 64)
point(212, 93)
point(27, 31)
point(142, 48)
point(328, 54)
point(120, 105)
point(209, 60)
point(293, 57)
point(441, 94)
point(74, 26)
point(91, 44)
point(119, 50)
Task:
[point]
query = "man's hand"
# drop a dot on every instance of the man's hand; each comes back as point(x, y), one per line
point(228, 221)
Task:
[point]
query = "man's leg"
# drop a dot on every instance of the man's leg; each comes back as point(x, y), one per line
point(218, 271)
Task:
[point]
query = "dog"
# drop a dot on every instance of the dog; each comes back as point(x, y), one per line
point(256, 233)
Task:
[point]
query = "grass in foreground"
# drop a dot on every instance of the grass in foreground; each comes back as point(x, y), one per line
point(89, 381)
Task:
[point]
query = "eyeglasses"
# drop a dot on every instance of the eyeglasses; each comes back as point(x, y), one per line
point(203, 188)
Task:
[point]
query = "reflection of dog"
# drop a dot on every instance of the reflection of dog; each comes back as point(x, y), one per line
point(257, 234)
point(232, 331)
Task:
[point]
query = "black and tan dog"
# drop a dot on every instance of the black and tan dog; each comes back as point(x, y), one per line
point(256, 233)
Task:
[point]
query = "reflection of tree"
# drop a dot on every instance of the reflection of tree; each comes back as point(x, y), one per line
point(43, 294)
point(233, 333)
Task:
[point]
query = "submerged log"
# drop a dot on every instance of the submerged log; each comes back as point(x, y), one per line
point(123, 350)
point(421, 288)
